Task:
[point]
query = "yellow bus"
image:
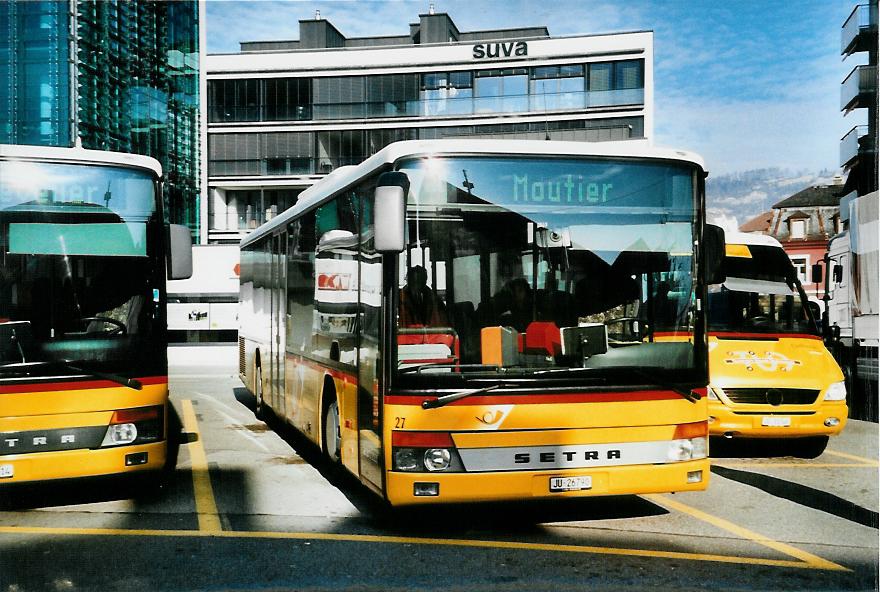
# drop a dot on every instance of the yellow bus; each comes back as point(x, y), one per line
point(471, 320)
point(770, 375)
point(83, 368)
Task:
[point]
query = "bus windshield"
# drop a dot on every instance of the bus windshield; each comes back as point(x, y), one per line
point(760, 295)
point(79, 273)
point(547, 268)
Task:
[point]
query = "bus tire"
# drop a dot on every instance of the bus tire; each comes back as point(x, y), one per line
point(260, 410)
point(330, 435)
point(810, 447)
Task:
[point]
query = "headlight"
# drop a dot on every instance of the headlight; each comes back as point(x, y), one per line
point(121, 433)
point(437, 459)
point(688, 449)
point(406, 459)
point(836, 392)
point(139, 425)
point(712, 395)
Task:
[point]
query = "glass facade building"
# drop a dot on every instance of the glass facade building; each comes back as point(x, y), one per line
point(283, 114)
point(120, 76)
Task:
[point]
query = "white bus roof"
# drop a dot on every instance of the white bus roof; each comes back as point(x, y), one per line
point(747, 238)
point(333, 182)
point(80, 156)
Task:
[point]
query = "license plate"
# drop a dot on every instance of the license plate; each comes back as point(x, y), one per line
point(6, 471)
point(570, 483)
point(776, 422)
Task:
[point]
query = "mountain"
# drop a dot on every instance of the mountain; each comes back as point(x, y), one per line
point(735, 198)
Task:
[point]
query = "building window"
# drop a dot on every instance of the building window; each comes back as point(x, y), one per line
point(616, 83)
point(447, 93)
point(797, 228)
point(288, 99)
point(557, 87)
point(501, 91)
point(801, 265)
point(234, 100)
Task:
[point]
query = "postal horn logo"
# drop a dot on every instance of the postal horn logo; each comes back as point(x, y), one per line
point(491, 417)
point(767, 361)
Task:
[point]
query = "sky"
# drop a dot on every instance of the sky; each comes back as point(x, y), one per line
point(747, 84)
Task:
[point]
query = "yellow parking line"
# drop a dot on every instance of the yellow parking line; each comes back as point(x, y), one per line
point(360, 538)
point(206, 507)
point(807, 558)
point(793, 465)
point(861, 459)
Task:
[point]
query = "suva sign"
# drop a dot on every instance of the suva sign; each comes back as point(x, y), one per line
point(500, 50)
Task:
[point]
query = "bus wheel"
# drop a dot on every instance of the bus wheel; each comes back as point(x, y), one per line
point(809, 447)
point(330, 432)
point(260, 408)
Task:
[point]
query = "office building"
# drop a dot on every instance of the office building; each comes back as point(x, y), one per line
point(121, 76)
point(858, 148)
point(282, 114)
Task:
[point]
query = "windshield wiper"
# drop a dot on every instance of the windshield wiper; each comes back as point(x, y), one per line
point(418, 369)
point(688, 395)
point(637, 370)
point(446, 399)
point(121, 380)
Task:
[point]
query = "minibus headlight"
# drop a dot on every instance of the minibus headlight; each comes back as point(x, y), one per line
point(836, 392)
point(712, 395)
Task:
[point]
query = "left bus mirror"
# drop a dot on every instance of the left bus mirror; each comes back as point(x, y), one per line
point(816, 273)
point(713, 250)
point(180, 267)
point(390, 212)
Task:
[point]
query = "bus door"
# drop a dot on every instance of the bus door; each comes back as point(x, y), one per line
point(278, 338)
point(369, 366)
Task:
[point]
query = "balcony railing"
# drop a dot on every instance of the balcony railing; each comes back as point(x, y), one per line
point(438, 107)
point(858, 29)
point(858, 87)
point(850, 144)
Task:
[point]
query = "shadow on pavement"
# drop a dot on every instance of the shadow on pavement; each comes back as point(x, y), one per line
point(451, 518)
point(752, 447)
point(803, 495)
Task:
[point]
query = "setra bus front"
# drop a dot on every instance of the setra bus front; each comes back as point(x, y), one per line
point(523, 357)
point(83, 369)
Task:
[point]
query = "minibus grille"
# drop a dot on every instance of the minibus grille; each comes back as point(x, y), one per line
point(241, 355)
point(772, 396)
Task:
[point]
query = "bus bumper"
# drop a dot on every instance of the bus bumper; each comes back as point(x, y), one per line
point(523, 485)
point(772, 422)
point(69, 464)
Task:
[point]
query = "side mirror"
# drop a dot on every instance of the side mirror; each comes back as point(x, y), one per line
point(180, 242)
point(389, 212)
point(838, 273)
point(713, 254)
point(816, 273)
point(834, 332)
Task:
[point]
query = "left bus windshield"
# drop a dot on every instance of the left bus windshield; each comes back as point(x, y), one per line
point(547, 268)
point(77, 264)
